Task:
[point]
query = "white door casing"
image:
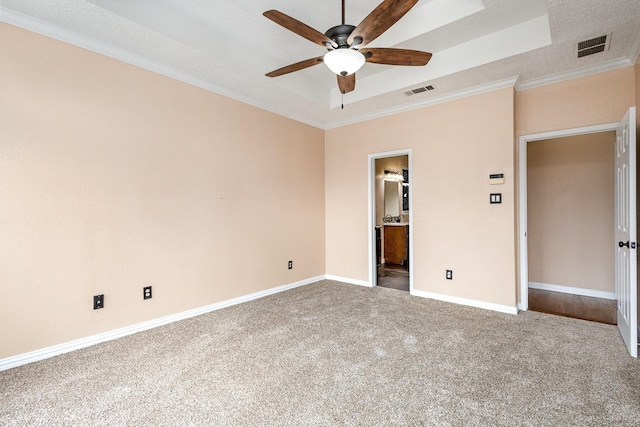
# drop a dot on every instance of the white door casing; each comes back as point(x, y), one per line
point(373, 269)
point(626, 262)
point(523, 303)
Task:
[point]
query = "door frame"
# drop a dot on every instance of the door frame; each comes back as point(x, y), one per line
point(523, 140)
point(373, 273)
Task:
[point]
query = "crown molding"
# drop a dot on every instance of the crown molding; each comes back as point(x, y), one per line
point(476, 90)
point(49, 30)
point(574, 74)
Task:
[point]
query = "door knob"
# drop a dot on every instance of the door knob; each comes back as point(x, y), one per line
point(621, 244)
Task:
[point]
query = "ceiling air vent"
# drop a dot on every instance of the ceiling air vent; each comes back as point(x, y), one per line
point(419, 90)
point(593, 45)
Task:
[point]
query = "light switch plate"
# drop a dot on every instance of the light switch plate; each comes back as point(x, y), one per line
point(495, 198)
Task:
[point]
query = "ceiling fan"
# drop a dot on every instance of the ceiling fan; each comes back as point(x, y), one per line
point(346, 43)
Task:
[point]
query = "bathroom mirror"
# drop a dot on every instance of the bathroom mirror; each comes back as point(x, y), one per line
point(391, 198)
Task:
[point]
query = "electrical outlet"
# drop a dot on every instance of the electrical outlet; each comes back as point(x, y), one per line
point(290, 265)
point(98, 301)
point(146, 292)
point(449, 275)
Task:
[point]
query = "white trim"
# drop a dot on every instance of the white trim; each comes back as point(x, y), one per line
point(476, 90)
point(607, 127)
point(371, 158)
point(522, 194)
point(49, 30)
point(574, 74)
point(523, 304)
point(572, 290)
point(45, 353)
point(348, 280)
point(468, 302)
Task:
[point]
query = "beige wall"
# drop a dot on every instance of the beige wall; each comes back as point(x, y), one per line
point(455, 146)
point(587, 101)
point(592, 100)
point(637, 100)
point(570, 211)
point(113, 177)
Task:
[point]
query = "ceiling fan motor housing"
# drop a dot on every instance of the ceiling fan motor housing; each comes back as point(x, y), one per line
point(340, 34)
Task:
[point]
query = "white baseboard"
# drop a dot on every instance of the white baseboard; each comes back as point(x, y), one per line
point(456, 300)
point(572, 290)
point(469, 302)
point(45, 353)
point(348, 280)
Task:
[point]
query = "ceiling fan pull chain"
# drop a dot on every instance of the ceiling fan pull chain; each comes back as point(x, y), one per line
point(342, 106)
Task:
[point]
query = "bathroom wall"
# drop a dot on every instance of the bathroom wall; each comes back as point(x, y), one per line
point(395, 163)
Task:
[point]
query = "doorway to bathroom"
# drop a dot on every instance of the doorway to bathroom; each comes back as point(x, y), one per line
point(390, 220)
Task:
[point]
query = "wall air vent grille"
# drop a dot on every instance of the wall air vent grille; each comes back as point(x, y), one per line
point(593, 45)
point(419, 90)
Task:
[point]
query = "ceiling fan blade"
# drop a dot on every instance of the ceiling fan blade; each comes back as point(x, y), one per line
point(380, 20)
point(347, 83)
point(299, 28)
point(393, 56)
point(295, 67)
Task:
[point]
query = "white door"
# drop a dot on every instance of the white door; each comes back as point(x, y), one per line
point(626, 269)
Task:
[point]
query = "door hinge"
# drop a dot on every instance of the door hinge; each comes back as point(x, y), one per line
point(633, 245)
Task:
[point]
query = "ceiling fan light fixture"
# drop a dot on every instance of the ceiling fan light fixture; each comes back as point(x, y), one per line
point(344, 61)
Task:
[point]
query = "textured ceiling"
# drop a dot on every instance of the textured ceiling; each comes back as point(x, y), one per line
point(227, 46)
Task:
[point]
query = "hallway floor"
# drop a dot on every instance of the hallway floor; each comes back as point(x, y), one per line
point(578, 306)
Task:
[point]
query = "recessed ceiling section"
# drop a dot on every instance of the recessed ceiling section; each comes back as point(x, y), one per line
point(180, 26)
point(226, 47)
point(518, 39)
point(428, 17)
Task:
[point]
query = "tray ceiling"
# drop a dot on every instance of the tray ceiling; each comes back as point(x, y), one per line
point(228, 46)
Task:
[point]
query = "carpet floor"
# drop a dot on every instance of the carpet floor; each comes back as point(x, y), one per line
point(330, 354)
